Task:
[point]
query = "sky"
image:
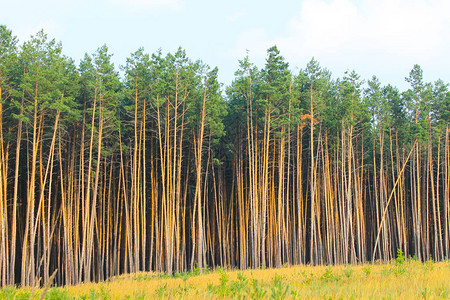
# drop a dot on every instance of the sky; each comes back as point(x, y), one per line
point(384, 38)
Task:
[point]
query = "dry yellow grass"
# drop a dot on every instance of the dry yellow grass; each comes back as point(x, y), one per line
point(408, 280)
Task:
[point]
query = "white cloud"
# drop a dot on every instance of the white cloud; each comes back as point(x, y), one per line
point(365, 34)
point(137, 5)
point(399, 27)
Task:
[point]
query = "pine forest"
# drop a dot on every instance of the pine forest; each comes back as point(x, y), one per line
point(157, 166)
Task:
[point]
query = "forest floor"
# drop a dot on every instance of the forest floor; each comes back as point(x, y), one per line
point(404, 279)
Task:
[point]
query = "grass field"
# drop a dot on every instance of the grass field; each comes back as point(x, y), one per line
point(400, 279)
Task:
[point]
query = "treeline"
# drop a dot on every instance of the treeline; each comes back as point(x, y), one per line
point(161, 169)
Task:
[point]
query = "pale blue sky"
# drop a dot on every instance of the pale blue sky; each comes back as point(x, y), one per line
point(374, 37)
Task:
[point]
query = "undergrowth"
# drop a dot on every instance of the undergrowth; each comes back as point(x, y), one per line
point(403, 278)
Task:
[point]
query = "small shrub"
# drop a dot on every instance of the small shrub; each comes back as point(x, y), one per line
point(182, 290)
point(23, 294)
point(386, 272)
point(92, 295)
point(206, 270)
point(429, 265)
point(137, 295)
point(425, 293)
point(400, 257)
point(367, 270)
point(224, 278)
point(328, 275)
point(257, 292)
point(185, 276)
point(413, 258)
point(104, 293)
point(348, 272)
point(142, 277)
point(443, 292)
point(164, 276)
point(210, 290)
point(161, 290)
point(278, 289)
point(240, 286)
point(399, 270)
point(57, 293)
point(196, 270)
point(8, 292)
